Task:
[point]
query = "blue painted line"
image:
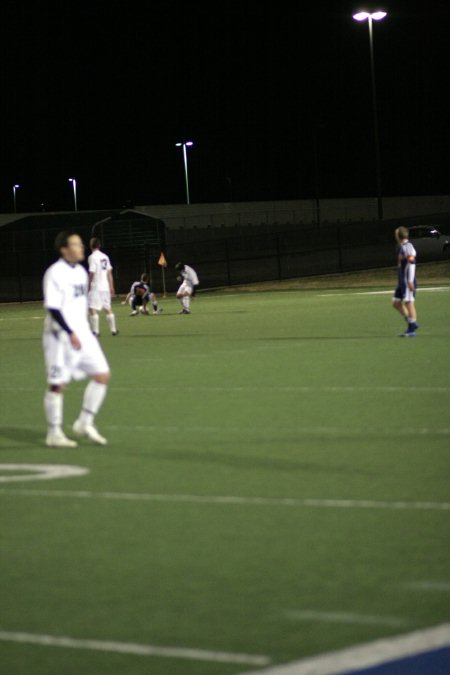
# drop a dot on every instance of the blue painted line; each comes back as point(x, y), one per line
point(435, 662)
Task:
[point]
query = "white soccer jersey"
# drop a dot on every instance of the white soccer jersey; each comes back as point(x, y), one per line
point(190, 275)
point(99, 265)
point(407, 259)
point(65, 287)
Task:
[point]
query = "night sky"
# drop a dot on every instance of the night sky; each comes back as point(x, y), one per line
point(276, 98)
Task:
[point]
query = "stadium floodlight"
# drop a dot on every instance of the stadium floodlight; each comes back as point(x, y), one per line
point(362, 16)
point(15, 187)
point(184, 145)
point(377, 16)
point(74, 185)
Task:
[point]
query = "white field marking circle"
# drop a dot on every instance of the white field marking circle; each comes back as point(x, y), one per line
point(132, 648)
point(40, 472)
point(234, 500)
point(365, 655)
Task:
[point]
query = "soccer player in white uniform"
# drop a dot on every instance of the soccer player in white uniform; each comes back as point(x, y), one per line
point(404, 295)
point(71, 351)
point(188, 288)
point(101, 288)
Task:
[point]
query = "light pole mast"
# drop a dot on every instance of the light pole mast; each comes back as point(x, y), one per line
point(184, 145)
point(366, 16)
point(14, 196)
point(74, 185)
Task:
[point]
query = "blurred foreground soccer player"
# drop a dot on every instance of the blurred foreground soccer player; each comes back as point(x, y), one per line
point(70, 349)
point(101, 288)
point(404, 295)
point(188, 288)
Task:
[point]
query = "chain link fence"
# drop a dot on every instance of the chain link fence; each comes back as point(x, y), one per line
point(231, 258)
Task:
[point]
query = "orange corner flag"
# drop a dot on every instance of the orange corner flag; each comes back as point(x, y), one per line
point(162, 260)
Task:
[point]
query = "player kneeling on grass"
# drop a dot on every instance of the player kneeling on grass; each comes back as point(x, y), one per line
point(71, 351)
point(188, 288)
point(140, 295)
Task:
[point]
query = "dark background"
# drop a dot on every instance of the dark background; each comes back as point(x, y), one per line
point(103, 90)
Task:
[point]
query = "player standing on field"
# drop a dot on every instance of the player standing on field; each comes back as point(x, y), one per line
point(188, 288)
point(101, 288)
point(71, 351)
point(404, 295)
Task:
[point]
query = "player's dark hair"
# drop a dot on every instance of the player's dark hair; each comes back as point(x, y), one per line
point(95, 242)
point(144, 277)
point(62, 239)
point(179, 266)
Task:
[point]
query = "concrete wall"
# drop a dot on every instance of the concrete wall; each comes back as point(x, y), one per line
point(283, 212)
point(290, 212)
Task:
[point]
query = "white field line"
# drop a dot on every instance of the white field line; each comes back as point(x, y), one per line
point(22, 318)
point(344, 617)
point(40, 472)
point(270, 431)
point(286, 389)
point(433, 586)
point(390, 292)
point(273, 430)
point(131, 648)
point(365, 655)
point(234, 500)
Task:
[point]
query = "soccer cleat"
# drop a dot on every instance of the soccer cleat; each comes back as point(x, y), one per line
point(89, 431)
point(157, 311)
point(59, 440)
point(134, 312)
point(408, 333)
point(184, 311)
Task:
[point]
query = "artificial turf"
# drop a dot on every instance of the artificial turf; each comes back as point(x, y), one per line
point(192, 529)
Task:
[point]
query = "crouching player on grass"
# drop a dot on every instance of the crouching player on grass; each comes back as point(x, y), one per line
point(140, 295)
point(71, 351)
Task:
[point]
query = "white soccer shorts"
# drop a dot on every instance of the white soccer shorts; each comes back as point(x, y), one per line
point(99, 300)
point(64, 363)
point(185, 288)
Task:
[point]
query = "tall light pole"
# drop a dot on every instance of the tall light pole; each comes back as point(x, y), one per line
point(376, 16)
point(74, 185)
point(184, 145)
point(15, 187)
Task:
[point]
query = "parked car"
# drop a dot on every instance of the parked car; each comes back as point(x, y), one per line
point(429, 243)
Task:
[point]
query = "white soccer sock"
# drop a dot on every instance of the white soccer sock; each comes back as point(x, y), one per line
point(186, 301)
point(111, 319)
point(94, 395)
point(53, 406)
point(94, 323)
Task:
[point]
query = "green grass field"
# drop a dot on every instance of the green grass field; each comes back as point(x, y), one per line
point(275, 485)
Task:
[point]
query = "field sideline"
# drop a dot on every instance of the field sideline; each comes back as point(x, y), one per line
point(275, 488)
